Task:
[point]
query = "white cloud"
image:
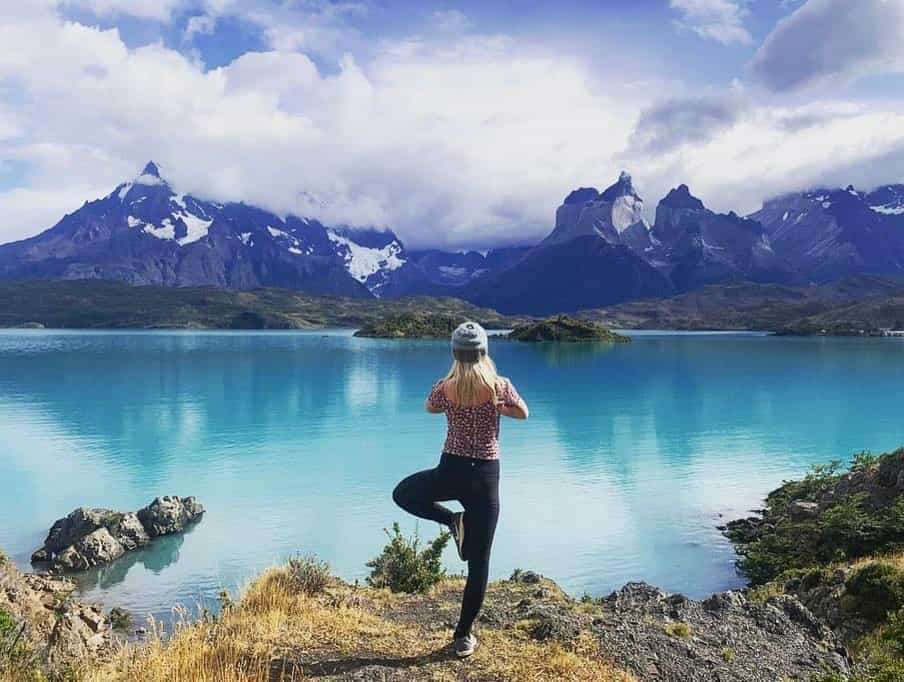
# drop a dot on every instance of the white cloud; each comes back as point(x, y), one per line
point(470, 141)
point(158, 10)
point(832, 40)
point(451, 20)
point(770, 150)
point(201, 24)
point(720, 20)
point(314, 26)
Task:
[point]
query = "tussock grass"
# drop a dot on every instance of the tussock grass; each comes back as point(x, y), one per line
point(678, 630)
point(275, 628)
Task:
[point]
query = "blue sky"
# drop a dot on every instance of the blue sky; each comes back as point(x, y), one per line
point(455, 124)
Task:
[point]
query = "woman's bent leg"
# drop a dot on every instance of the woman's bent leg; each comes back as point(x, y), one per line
point(480, 527)
point(419, 494)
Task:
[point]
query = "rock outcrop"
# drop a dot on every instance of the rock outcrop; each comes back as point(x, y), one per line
point(92, 537)
point(52, 630)
point(727, 636)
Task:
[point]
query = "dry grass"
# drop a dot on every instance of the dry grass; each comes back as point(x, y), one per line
point(895, 559)
point(277, 632)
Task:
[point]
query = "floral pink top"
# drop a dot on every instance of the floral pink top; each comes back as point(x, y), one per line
point(473, 431)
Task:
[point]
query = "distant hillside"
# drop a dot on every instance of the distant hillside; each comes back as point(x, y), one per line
point(93, 304)
point(861, 302)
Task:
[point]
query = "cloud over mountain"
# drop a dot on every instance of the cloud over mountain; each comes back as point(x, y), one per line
point(456, 139)
point(827, 40)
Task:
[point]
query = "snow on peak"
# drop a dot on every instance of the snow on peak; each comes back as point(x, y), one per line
point(363, 262)
point(888, 209)
point(196, 228)
point(148, 180)
point(626, 210)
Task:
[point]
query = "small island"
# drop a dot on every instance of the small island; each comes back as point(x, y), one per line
point(421, 325)
point(411, 326)
point(563, 328)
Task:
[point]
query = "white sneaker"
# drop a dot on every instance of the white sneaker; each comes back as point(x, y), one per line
point(464, 646)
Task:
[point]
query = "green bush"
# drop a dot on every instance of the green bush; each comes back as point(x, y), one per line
point(403, 566)
point(874, 591)
point(7, 624)
point(18, 661)
point(677, 630)
point(849, 529)
point(893, 633)
point(308, 574)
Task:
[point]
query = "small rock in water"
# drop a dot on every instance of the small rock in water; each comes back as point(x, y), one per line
point(90, 537)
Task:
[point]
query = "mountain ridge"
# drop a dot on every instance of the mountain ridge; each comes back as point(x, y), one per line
point(601, 251)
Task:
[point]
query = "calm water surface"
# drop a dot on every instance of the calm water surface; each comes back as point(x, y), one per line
point(294, 441)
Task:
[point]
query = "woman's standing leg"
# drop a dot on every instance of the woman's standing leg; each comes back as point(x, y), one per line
point(481, 514)
point(420, 493)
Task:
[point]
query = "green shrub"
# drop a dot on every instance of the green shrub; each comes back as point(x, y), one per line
point(308, 574)
point(848, 529)
point(7, 624)
point(728, 654)
point(679, 630)
point(18, 660)
point(874, 591)
point(403, 566)
point(893, 633)
point(864, 461)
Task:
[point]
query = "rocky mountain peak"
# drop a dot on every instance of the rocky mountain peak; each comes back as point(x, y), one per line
point(581, 196)
point(151, 169)
point(623, 187)
point(681, 197)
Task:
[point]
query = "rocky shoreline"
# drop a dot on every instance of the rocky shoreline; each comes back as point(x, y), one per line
point(803, 616)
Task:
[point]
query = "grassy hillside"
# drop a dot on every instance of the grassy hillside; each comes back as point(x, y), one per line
point(91, 304)
point(864, 302)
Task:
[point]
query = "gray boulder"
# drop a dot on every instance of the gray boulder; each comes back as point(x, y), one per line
point(169, 514)
point(76, 525)
point(95, 549)
point(130, 533)
point(800, 510)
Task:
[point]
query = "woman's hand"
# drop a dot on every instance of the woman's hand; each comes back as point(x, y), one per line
point(513, 411)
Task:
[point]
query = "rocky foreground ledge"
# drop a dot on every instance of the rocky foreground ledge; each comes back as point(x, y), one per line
point(92, 537)
point(288, 626)
point(43, 627)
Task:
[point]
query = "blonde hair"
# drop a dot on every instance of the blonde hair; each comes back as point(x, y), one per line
point(471, 371)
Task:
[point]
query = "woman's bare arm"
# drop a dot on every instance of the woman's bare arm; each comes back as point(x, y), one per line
point(510, 404)
point(519, 411)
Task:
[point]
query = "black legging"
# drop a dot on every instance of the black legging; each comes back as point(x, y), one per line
point(475, 484)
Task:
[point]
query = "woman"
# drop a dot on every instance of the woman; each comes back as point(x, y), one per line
point(472, 396)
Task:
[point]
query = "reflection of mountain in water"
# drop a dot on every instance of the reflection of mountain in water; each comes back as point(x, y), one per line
point(155, 557)
point(156, 397)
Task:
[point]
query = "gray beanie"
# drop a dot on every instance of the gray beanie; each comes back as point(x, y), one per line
point(469, 336)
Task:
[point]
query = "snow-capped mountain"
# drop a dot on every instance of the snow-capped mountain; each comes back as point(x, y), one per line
point(144, 232)
point(370, 256)
point(829, 233)
point(601, 250)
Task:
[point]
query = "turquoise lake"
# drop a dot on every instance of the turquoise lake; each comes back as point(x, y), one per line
point(293, 442)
